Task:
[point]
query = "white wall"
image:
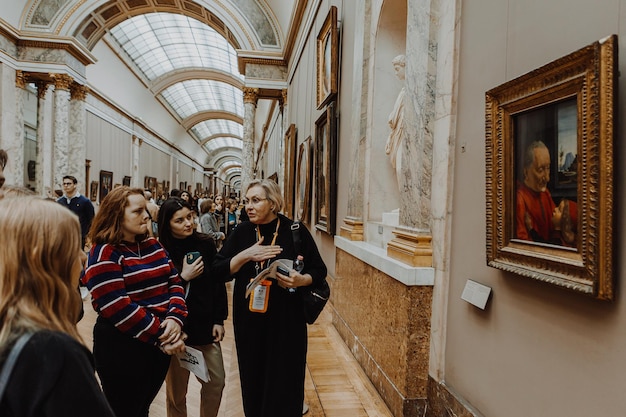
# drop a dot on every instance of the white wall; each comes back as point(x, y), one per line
point(537, 350)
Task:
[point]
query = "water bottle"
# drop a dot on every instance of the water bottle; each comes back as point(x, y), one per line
point(298, 265)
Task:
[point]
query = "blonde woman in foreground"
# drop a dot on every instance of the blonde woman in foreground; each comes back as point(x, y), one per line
point(40, 264)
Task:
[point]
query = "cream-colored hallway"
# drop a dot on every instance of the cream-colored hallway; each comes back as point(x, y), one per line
point(335, 384)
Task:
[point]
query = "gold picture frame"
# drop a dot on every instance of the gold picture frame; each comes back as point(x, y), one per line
point(303, 182)
point(561, 114)
point(327, 59)
point(106, 184)
point(326, 170)
point(290, 168)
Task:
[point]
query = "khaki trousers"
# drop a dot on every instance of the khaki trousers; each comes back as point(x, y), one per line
point(177, 381)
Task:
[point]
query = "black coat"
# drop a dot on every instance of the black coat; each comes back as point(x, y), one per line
point(206, 302)
point(271, 346)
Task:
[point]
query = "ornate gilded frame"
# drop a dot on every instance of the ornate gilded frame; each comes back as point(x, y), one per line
point(290, 168)
point(587, 80)
point(303, 182)
point(106, 184)
point(327, 59)
point(326, 170)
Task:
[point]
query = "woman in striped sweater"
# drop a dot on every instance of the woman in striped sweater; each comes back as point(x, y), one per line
point(139, 299)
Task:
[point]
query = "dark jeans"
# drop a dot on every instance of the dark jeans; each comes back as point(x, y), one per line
point(131, 372)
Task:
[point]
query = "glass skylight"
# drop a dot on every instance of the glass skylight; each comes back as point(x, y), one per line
point(223, 142)
point(162, 42)
point(214, 127)
point(193, 96)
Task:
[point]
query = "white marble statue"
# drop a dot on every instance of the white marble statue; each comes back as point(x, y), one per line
point(393, 147)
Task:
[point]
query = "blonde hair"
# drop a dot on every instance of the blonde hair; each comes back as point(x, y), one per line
point(272, 193)
point(40, 246)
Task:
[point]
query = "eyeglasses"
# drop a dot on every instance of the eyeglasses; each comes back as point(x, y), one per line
point(254, 201)
point(67, 184)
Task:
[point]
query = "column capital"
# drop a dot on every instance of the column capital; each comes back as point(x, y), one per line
point(20, 79)
point(283, 96)
point(250, 95)
point(42, 89)
point(61, 81)
point(78, 91)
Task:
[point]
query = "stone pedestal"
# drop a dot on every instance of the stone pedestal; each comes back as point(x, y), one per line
point(352, 229)
point(411, 248)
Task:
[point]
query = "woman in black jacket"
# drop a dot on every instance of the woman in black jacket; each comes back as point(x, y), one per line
point(206, 302)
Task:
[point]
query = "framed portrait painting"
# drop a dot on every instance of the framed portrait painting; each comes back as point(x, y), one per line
point(126, 181)
point(290, 168)
point(325, 170)
point(106, 184)
point(303, 182)
point(327, 59)
point(549, 162)
point(93, 191)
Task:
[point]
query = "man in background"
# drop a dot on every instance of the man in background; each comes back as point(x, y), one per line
point(78, 204)
point(153, 211)
point(3, 163)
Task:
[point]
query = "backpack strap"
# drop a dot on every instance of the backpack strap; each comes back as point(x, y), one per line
point(10, 362)
point(297, 241)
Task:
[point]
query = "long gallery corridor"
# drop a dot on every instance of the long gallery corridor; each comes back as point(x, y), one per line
point(335, 384)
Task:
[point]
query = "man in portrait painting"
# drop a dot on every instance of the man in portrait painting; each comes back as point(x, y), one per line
point(534, 205)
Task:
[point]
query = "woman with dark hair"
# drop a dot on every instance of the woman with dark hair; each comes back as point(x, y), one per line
point(270, 327)
point(140, 302)
point(207, 304)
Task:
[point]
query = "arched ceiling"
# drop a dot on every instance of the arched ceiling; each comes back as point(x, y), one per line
point(184, 51)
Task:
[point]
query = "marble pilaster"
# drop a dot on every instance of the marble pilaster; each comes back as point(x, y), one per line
point(415, 196)
point(283, 162)
point(77, 135)
point(44, 179)
point(135, 157)
point(250, 98)
point(353, 223)
point(7, 119)
point(61, 165)
point(17, 149)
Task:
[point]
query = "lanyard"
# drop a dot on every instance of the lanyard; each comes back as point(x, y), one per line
point(258, 237)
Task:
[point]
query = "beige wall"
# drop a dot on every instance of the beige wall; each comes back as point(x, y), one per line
point(536, 350)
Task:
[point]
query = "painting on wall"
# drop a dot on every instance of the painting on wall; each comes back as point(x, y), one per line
point(106, 184)
point(326, 170)
point(549, 160)
point(327, 59)
point(290, 168)
point(303, 182)
point(126, 181)
point(93, 191)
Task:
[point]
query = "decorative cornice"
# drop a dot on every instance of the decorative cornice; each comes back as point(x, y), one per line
point(59, 44)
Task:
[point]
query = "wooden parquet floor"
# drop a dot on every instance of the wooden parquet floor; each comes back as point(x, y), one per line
point(335, 385)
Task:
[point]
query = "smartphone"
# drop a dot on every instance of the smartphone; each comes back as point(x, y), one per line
point(191, 257)
point(282, 270)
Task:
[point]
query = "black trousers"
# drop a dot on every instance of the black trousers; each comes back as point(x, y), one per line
point(131, 372)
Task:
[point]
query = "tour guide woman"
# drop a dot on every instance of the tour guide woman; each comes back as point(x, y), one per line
point(271, 339)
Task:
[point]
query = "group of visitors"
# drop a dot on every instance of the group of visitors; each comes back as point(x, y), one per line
point(155, 298)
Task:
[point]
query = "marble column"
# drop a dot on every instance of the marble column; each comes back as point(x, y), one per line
point(353, 223)
point(43, 174)
point(7, 116)
point(61, 147)
point(282, 177)
point(415, 207)
point(16, 149)
point(412, 241)
point(44, 150)
point(77, 135)
point(250, 98)
point(135, 157)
